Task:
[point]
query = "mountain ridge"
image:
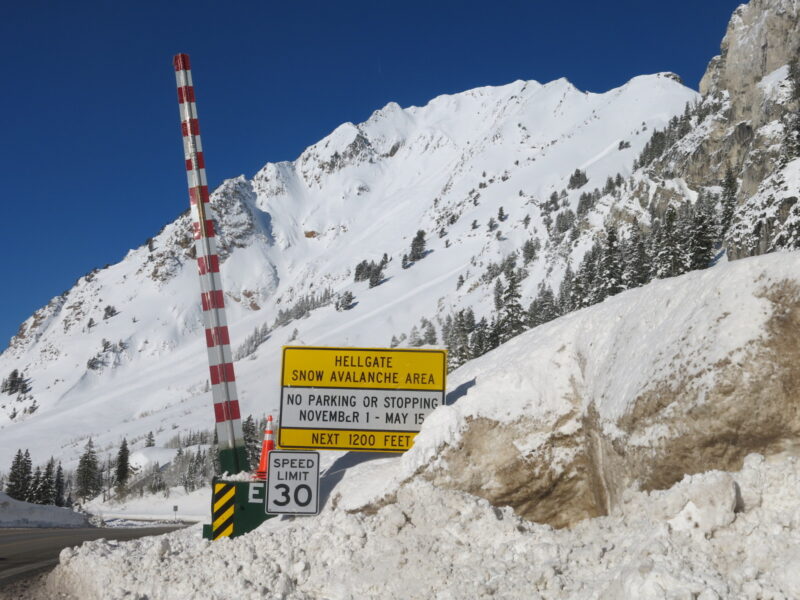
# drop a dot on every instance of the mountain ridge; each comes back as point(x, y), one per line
point(298, 229)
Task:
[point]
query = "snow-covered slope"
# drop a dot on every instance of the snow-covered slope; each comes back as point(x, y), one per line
point(121, 353)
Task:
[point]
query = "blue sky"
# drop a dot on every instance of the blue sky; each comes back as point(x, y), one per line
point(90, 150)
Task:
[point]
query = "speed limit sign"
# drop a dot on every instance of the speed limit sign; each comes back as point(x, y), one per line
point(293, 483)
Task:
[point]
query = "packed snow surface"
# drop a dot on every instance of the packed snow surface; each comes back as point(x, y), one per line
point(14, 513)
point(711, 536)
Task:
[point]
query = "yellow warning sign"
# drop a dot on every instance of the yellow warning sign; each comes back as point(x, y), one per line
point(344, 439)
point(363, 368)
point(372, 399)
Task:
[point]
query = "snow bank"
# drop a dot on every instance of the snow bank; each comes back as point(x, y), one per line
point(14, 513)
point(681, 376)
point(193, 506)
point(715, 535)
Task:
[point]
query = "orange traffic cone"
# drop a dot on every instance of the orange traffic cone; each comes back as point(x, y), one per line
point(267, 445)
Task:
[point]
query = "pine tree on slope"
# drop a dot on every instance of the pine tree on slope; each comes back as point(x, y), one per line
point(636, 262)
point(512, 316)
point(60, 486)
point(729, 186)
point(35, 489)
point(417, 247)
point(123, 468)
point(611, 266)
point(47, 488)
point(701, 239)
point(19, 477)
point(88, 476)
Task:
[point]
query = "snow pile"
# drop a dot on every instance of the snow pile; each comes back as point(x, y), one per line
point(14, 513)
point(715, 535)
point(681, 376)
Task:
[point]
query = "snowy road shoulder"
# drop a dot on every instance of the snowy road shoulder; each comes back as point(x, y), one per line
point(713, 535)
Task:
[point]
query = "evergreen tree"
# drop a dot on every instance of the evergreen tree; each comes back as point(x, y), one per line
point(88, 474)
point(417, 247)
point(492, 335)
point(701, 239)
point(15, 383)
point(566, 299)
point(512, 317)
point(34, 494)
point(428, 332)
point(589, 277)
point(499, 292)
point(123, 467)
point(252, 441)
point(47, 489)
point(636, 264)
point(150, 440)
point(19, 476)
point(501, 214)
point(376, 276)
point(478, 342)
point(543, 309)
point(667, 260)
point(447, 326)
point(458, 341)
point(60, 487)
point(611, 265)
point(344, 301)
point(529, 250)
point(577, 179)
point(729, 186)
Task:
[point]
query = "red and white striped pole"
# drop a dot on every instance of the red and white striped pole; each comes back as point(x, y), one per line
point(232, 455)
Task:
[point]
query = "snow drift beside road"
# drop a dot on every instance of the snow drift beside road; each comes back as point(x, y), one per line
point(680, 376)
point(687, 542)
point(14, 513)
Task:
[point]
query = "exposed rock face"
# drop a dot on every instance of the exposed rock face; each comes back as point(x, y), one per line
point(747, 122)
point(707, 372)
point(762, 36)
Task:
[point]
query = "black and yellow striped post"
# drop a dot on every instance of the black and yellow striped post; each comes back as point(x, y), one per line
point(237, 507)
point(222, 510)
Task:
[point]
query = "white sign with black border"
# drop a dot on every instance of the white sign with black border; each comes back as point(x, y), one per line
point(293, 483)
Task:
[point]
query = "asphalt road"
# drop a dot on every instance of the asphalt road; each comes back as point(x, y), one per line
point(27, 551)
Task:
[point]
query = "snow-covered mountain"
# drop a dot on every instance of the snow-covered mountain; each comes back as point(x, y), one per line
point(121, 353)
